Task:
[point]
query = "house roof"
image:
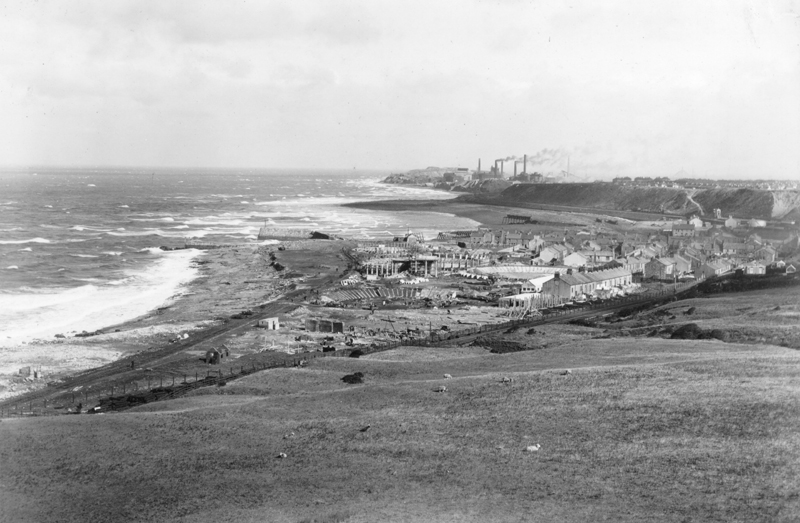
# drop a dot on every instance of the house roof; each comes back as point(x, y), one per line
point(664, 261)
point(581, 278)
point(717, 265)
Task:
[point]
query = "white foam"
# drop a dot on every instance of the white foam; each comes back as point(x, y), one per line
point(12, 267)
point(32, 240)
point(25, 316)
point(26, 249)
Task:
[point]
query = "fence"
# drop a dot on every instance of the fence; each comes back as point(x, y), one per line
point(118, 396)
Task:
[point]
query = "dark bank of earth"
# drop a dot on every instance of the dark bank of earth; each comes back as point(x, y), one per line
point(741, 203)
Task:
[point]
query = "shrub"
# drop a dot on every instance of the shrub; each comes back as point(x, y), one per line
point(720, 335)
point(357, 353)
point(354, 379)
point(690, 331)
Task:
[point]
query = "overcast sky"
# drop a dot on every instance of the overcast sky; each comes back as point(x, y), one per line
point(620, 88)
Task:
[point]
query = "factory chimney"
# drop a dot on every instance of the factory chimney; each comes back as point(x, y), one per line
point(479, 165)
point(525, 164)
point(515, 169)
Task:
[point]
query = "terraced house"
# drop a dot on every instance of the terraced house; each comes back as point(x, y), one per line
point(575, 284)
point(661, 269)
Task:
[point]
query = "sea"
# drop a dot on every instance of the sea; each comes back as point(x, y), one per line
point(80, 249)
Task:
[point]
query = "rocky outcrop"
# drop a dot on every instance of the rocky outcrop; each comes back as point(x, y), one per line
point(419, 176)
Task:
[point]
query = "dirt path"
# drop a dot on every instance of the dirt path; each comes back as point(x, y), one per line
point(689, 195)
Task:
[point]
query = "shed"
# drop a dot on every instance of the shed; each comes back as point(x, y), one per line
point(311, 325)
point(269, 323)
point(213, 356)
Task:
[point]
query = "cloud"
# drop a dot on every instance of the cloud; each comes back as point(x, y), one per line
point(347, 24)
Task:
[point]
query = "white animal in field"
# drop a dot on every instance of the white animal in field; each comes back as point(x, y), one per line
point(506, 379)
point(447, 376)
point(281, 455)
point(533, 448)
point(441, 388)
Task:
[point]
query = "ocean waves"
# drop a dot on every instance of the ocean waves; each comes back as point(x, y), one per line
point(98, 248)
point(19, 242)
point(30, 313)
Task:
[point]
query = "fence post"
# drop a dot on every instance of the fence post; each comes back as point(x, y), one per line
point(161, 381)
point(148, 383)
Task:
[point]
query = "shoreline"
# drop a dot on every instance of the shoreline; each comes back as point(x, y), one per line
point(185, 311)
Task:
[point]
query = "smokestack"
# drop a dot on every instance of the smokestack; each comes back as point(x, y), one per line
point(515, 169)
point(479, 165)
point(525, 164)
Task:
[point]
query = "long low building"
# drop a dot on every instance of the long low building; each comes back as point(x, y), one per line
point(518, 272)
point(575, 284)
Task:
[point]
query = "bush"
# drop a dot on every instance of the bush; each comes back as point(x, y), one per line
point(720, 335)
point(690, 331)
point(690, 311)
point(354, 379)
point(357, 353)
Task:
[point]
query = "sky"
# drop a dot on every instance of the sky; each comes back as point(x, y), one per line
point(615, 88)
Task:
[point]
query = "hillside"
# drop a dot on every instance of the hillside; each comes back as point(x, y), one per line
point(742, 203)
point(641, 429)
point(601, 196)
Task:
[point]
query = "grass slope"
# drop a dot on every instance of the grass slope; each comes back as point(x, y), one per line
point(642, 430)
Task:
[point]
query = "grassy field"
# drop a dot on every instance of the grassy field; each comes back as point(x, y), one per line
point(766, 316)
point(641, 430)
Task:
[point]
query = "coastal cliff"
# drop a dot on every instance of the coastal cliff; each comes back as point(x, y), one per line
point(742, 203)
